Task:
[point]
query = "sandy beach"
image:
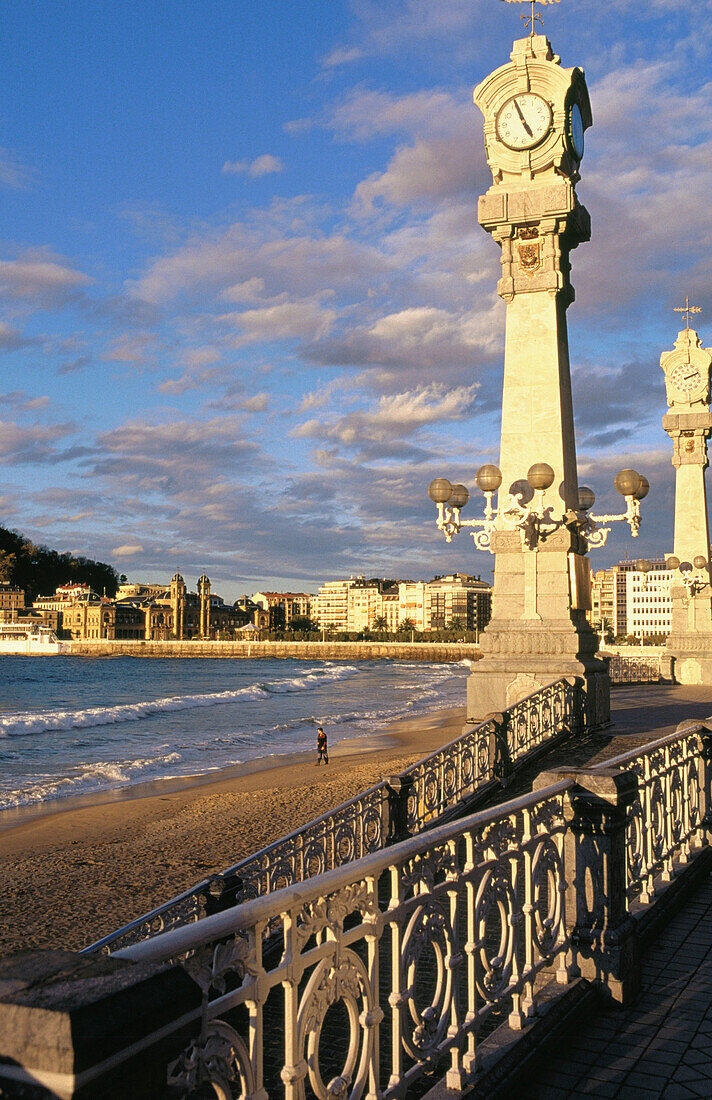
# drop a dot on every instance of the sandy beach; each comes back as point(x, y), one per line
point(71, 875)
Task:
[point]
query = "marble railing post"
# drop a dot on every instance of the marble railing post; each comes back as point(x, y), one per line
point(399, 788)
point(603, 934)
point(89, 1027)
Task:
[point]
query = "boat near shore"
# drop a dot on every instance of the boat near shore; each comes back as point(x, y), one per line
point(29, 640)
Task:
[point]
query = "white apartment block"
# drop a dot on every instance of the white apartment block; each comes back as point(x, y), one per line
point(649, 608)
point(627, 601)
point(414, 604)
point(356, 605)
point(365, 603)
point(332, 605)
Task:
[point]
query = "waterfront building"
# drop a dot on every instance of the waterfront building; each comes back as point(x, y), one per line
point(356, 604)
point(285, 606)
point(459, 596)
point(93, 617)
point(139, 590)
point(178, 591)
point(365, 603)
point(65, 595)
point(332, 604)
point(648, 603)
point(12, 601)
point(414, 604)
point(204, 597)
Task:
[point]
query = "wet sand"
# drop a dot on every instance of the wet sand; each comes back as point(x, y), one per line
point(76, 873)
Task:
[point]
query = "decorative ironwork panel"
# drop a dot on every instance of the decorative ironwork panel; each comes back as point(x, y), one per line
point(427, 939)
point(665, 820)
point(634, 670)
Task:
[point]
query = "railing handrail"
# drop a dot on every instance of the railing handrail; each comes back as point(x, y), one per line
point(177, 941)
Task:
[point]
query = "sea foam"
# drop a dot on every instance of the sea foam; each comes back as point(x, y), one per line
point(44, 721)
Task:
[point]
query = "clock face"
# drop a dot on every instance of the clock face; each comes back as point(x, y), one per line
point(524, 121)
point(576, 130)
point(686, 378)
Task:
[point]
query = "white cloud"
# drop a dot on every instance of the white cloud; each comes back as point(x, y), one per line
point(126, 550)
point(260, 166)
point(257, 403)
point(40, 277)
point(306, 320)
point(13, 173)
point(342, 55)
point(392, 420)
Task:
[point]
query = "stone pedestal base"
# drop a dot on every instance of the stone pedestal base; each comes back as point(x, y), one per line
point(520, 658)
point(689, 645)
point(494, 685)
point(690, 660)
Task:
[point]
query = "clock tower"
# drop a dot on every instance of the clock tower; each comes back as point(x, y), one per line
point(536, 113)
point(688, 423)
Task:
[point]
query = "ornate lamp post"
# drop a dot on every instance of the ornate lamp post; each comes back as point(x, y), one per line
point(526, 512)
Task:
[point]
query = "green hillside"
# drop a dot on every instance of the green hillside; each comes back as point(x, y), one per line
point(39, 570)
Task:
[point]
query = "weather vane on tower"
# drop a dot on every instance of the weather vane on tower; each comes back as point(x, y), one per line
point(529, 20)
point(687, 309)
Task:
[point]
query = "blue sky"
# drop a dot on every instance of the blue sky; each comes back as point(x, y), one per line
point(246, 311)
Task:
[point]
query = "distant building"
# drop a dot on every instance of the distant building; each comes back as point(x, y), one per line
point(332, 604)
point(12, 601)
point(459, 596)
point(626, 601)
point(65, 595)
point(92, 618)
point(285, 606)
point(648, 603)
point(356, 605)
point(365, 603)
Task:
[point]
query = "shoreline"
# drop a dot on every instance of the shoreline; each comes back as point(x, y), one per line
point(16, 816)
point(77, 872)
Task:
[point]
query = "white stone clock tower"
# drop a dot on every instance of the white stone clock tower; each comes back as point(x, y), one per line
point(535, 115)
point(688, 423)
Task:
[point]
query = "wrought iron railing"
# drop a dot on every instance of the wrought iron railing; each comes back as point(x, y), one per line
point(424, 792)
point(665, 821)
point(534, 720)
point(420, 945)
point(634, 670)
point(426, 944)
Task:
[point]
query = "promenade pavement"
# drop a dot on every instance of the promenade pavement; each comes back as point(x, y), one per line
point(662, 1045)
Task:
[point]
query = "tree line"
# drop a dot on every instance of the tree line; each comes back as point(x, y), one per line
point(39, 569)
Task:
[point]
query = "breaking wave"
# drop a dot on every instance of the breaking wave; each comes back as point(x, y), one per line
point(89, 778)
point(44, 721)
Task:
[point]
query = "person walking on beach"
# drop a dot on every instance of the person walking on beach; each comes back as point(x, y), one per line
point(321, 747)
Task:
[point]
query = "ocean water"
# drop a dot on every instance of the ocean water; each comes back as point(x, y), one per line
point(71, 726)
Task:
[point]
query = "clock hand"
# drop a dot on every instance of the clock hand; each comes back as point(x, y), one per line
point(525, 124)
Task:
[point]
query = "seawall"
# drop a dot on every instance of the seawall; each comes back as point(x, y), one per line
point(326, 651)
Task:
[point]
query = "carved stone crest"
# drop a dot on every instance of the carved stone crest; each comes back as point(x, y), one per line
point(528, 246)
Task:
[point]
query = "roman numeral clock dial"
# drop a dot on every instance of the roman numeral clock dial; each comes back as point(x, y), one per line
point(523, 121)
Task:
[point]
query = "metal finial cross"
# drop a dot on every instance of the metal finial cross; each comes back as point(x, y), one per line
point(529, 20)
point(687, 309)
